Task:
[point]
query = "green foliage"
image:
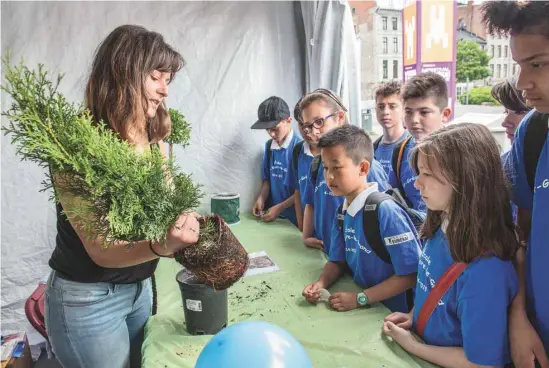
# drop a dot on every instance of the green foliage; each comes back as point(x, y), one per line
point(181, 129)
point(478, 96)
point(129, 196)
point(472, 62)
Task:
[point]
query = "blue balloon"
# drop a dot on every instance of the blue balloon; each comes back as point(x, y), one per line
point(253, 344)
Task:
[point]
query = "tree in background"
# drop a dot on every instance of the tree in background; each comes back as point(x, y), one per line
point(472, 62)
point(479, 96)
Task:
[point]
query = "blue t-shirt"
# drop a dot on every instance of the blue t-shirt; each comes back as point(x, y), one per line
point(280, 162)
point(537, 255)
point(473, 313)
point(297, 176)
point(325, 203)
point(400, 238)
point(384, 153)
point(407, 179)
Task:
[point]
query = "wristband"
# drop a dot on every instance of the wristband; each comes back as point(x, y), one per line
point(155, 253)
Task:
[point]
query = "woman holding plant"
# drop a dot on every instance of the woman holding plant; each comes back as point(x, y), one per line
point(98, 297)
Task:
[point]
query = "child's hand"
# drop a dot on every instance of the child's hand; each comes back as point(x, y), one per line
point(402, 320)
point(312, 292)
point(403, 337)
point(314, 243)
point(526, 346)
point(272, 213)
point(258, 207)
point(343, 301)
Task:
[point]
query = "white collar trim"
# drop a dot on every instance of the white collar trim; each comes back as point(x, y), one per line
point(360, 200)
point(307, 149)
point(285, 144)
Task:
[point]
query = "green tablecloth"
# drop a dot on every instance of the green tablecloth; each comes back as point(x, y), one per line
point(332, 339)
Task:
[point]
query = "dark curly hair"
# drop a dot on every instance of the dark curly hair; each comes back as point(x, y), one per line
point(516, 17)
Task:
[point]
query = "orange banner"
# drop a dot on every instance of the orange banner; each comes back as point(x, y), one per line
point(437, 31)
point(410, 34)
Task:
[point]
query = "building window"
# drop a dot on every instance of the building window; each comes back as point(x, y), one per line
point(385, 69)
point(499, 51)
point(515, 69)
point(505, 71)
point(385, 45)
point(353, 11)
point(506, 51)
point(499, 71)
point(395, 45)
point(492, 52)
point(395, 69)
point(384, 22)
point(492, 68)
point(395, 24)
point(459, 91)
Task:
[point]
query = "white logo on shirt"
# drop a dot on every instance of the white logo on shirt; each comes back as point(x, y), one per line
point(398, 239)
point(544, 184)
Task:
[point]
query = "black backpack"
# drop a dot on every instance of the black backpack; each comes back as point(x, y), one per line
point(295, 157)
point(371, 220)
point(534, 140)
point(314, 168)
point(370, 224)
point(377, 142)
point(396, 163)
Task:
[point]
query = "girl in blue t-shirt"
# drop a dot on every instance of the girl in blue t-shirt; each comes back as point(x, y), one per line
point(468, 220)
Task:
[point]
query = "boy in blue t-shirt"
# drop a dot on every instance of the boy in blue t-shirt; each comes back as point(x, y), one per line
point(526, 23)
point(389, 113)
point(274, 116)
point(425, 111)
point(346, 155)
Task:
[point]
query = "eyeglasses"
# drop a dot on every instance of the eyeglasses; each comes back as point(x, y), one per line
point(318, 123)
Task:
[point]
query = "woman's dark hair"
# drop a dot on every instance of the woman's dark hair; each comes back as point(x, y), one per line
point(115, 93)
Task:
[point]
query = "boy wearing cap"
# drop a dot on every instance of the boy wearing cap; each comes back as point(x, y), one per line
point(274, 116)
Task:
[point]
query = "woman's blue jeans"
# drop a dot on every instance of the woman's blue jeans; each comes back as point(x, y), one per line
point(97, 325)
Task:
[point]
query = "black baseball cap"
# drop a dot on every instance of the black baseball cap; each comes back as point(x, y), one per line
point(271, 112)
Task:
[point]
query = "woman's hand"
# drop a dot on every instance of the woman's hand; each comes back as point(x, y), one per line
point(184, 232)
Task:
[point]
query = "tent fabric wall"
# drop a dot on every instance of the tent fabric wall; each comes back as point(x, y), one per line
point(237, 54)
point(332, 58)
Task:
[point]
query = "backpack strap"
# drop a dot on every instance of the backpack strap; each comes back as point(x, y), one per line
point(377, 142)
point(314, 168)
point(534, 140)
point(370, 224)
point(396, 163)
point(269, 154)
point(340, 217)
point(442, 286)
point(295, 153)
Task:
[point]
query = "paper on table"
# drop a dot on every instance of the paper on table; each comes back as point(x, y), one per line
point(324, 295)
point(260, 263)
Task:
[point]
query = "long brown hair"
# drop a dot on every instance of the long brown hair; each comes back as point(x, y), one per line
point(479, 216)
point(115, 92)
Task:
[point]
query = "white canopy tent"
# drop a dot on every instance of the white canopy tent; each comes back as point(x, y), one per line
point(237, 54)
